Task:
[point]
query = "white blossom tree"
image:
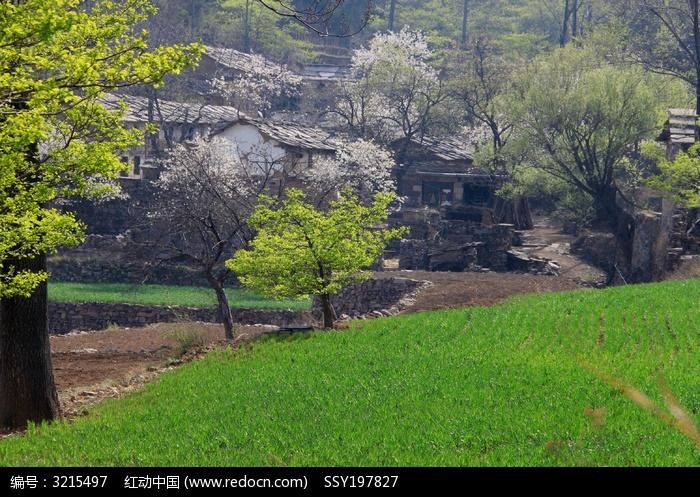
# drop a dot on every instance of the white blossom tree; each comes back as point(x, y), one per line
point(395, 92)
point(257, 89)
point(209, 188)
point(204, 196)
point(361, 165)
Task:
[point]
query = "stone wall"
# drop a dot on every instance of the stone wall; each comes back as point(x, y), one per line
point(117, 270)
point(459, 246)
point(380, 296)
point(115, 216)
point(376, 296)
point(68, 316)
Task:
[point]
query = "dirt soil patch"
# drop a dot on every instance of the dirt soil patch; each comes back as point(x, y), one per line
point(91, 366)
point(452, 290)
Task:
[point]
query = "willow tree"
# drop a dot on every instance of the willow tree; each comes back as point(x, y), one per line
point(58, 57)
point(578, 120)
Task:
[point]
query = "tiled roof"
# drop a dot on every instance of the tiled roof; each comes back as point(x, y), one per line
point(293, 134)
point(171, 112)
point(233, 59)
point(680, 126)
point(447, 149)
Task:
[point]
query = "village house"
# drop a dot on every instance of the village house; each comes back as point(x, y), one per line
point(679, 131)
point(176, 123)
point(280, 148)
point(441, 173)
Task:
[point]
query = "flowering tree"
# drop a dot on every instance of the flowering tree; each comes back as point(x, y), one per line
point(396, 93)
point(361, 165)
point(205, 195)
point(257, 89)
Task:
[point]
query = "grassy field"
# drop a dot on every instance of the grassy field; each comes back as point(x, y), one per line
point(506, 385)
point(187, 296)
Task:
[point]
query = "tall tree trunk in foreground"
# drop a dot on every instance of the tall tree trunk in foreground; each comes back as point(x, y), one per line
point(27, 388)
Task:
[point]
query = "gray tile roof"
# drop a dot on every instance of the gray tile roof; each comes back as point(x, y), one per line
point(293, 134)
point(171, 112)
point(233, 59)
point(447, 149)
point(680, 126)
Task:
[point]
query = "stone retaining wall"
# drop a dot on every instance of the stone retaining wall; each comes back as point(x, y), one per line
point(90, 316)
point(102, 270)
point(374, 297)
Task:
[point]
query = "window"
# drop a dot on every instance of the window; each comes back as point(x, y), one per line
point(436, 193)
point(137, 165)
point(476, 195)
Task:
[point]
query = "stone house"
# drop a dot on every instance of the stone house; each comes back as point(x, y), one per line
point(441, 173)
point(279, 146)
point(679, 131)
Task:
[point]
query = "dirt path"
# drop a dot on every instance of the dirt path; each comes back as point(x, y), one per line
point(549, 242)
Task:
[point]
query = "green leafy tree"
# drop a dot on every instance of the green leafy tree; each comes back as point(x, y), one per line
point(57, 141)
point(681, 176)
point(579, 120)
point(299, 250)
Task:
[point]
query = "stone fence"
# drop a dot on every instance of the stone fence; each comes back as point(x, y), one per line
point(380, 296)
point(374, 297)
point(67, 316)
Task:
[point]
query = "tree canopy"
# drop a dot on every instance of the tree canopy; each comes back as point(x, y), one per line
point(578, 119)
point(58, 57)
point(300, 250)
point(56, 139)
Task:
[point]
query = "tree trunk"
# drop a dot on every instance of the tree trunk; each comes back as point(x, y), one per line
point(328, 312)
point(246, 27)
point(606, 208)
point(465, 19)
point(392, 15)
point(27, 388)
point(224, 308)
point(564, 35)
point(574, 19)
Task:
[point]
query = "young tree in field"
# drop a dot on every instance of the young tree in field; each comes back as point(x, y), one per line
point(300, 251)
point(208, 190)
point(57, 141)
point(579, 120)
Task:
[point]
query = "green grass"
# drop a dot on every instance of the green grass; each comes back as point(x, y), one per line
point(481, 386)
point(187, 296)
